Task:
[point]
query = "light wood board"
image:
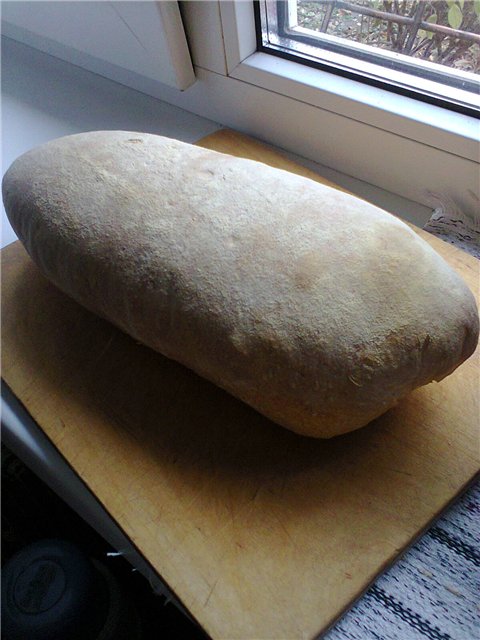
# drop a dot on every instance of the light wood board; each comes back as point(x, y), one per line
point(261, 533)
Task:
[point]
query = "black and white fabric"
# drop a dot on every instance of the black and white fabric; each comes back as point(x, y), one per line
point(433, 591)
point(455, 228)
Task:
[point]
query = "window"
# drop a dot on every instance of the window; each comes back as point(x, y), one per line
point(428, 49)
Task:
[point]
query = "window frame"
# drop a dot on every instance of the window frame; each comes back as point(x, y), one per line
point(235, 34)
point(421, 82)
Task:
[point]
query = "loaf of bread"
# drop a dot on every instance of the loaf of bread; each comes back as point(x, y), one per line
point(314, 307)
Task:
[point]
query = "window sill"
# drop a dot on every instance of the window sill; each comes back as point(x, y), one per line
point(428, 124)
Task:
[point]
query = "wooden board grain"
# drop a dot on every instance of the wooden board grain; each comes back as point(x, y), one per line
point(261, 533)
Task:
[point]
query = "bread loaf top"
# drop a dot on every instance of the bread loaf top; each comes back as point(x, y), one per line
point(318, 309)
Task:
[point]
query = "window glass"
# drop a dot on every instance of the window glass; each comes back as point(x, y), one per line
point(427, 48)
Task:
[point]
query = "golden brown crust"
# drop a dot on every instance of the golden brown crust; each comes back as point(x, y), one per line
point(316, 308)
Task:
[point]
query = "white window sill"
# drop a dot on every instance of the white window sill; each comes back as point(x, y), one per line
point(404, 116)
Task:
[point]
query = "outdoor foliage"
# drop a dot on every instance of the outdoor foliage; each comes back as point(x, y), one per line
point(443, 49)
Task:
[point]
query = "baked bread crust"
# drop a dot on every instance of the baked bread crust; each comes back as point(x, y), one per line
point(314, 307)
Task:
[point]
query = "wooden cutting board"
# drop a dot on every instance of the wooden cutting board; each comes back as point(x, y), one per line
point(261, 533)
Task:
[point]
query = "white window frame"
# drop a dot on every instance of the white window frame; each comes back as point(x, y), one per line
point(398, 143)
point(405, 74)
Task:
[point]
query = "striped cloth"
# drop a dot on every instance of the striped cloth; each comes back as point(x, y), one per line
point(433, 590)
point(455, 228)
